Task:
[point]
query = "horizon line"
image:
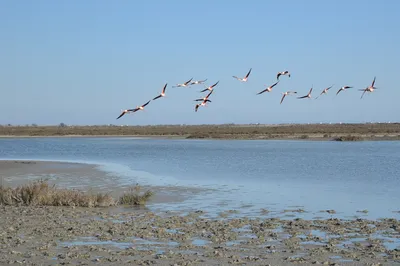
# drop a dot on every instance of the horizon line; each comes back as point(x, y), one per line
point(217, 124)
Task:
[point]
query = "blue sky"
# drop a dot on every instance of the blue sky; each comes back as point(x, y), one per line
point(82, 62)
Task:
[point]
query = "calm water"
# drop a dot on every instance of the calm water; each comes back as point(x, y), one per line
point(249, 175)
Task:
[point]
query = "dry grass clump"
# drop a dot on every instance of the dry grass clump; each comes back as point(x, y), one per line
point(40, 193)
point(135, 197)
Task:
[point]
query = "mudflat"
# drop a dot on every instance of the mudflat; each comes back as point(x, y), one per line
point(112, 236)
point(341, 132)
point(47, 235)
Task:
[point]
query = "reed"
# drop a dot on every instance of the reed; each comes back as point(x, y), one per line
point(41, 193)
point(135, 196)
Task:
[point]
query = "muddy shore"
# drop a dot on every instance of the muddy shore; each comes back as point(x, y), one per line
point(139, 236)
point(60, 236)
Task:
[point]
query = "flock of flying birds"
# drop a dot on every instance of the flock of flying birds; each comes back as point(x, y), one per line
point(206, 100)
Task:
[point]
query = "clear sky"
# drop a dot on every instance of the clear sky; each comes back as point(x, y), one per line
point(82, 62)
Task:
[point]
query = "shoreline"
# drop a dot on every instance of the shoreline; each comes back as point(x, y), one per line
point(311, 132)
point(85, 177)
point(136, 235)
point(92, 176)
point(352, 137)
point(96, 136)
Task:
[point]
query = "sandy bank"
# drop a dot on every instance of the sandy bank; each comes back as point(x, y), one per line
point(85, 177)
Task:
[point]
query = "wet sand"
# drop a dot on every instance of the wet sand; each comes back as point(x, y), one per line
point(138, 236)
point(85, 177)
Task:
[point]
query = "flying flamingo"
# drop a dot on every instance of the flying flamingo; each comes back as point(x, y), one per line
point(162, 93)
point(287, 93)
point(133, 110)
point(245, 78)
point(369, 88)
point(124, 112)
point(324, 91)
point(205, 99)
point(306, 96)
point(140, 107)
point(269, 89)
point(187, 83)
point(200, 104)
point(343, 88)
point(210, 88)
point(198, 82)
point(282, 73)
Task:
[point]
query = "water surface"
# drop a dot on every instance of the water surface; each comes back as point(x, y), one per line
point(243, 174)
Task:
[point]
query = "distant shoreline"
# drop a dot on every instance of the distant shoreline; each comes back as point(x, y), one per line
point(95, 136)
point(177, 137)
point(315, 132)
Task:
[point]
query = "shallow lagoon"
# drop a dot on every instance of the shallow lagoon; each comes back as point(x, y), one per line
point(285, 178)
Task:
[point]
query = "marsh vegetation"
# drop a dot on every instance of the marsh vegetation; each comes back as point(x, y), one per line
point(41, 193)
point(368, 131)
